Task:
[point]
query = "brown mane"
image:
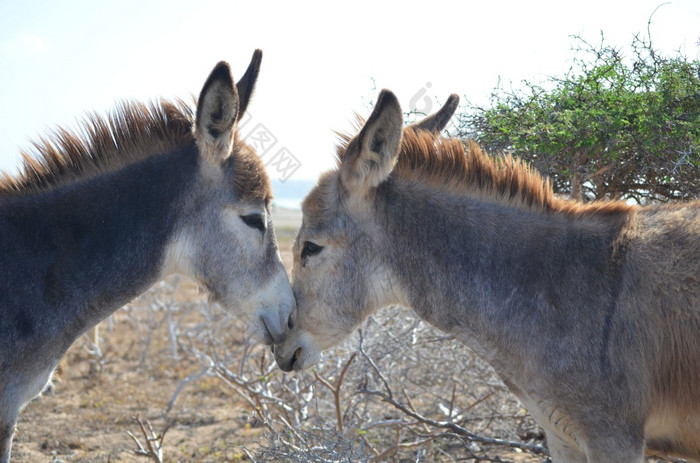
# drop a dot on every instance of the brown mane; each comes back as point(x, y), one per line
point(446, 164)
point(130, 133)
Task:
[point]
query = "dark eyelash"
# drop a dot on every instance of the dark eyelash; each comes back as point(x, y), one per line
point(310, 249)
point(254, 221)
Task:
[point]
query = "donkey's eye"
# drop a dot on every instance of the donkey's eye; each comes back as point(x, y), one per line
point(254, 221)
point(310, 249)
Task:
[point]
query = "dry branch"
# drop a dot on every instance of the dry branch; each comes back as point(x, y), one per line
point(409, 410)
point(154, 442)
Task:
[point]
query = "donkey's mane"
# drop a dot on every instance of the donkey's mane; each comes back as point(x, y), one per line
point(131, 132)
point(447, 165)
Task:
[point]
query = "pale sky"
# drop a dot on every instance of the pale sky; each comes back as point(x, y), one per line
point(60, 60)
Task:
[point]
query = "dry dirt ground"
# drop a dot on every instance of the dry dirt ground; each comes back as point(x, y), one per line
point(85, 418)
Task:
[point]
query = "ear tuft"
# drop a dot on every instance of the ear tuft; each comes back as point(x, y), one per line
point(370, 156)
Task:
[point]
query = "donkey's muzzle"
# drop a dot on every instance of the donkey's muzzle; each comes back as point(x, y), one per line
point(275, 330)
point(285, 365)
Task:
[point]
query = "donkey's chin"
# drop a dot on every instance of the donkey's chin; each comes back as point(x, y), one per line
point(306, 360)
point(296, 356)
point(299, 360)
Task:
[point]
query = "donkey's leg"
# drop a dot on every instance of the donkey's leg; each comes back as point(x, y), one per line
point(615, 448)
point(14, 396)
point(612, 437)
point(562, 452)
point(7, 429)
point(10, 404)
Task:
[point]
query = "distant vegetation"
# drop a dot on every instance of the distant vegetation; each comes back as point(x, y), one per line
point(614, 127)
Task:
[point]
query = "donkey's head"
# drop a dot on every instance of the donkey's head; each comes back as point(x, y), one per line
point(339, 278)
point(226, 240)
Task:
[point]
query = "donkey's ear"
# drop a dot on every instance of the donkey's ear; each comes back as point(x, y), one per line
point(371, 154)
point(437, 121)
point(246, 85)
point(217, 112)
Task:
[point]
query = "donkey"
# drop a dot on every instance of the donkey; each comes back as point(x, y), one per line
point(99, 216)
point(590, 313)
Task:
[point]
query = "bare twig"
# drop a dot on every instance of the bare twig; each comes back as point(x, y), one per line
point(398, 446)
point(154, 442)
point(449, 425)
point(335, 389)
point(371, 362)
point(183, 383)
point(457, 429)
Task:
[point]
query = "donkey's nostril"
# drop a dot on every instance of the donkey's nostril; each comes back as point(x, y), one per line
point(290, 365)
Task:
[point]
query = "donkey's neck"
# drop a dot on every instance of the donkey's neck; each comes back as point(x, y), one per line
point(485, 271)
point(94, 244)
